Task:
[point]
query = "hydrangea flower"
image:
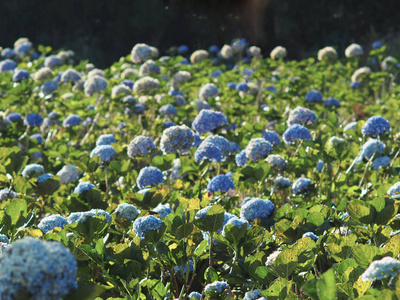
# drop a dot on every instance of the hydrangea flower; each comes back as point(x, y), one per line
point(381, 162)
point(272, 137)
point(143, 225)
point(13, 117)
point(32, 170)
point(7, 65)
point(179, 269)
point(278, 53)
point(377, 45)
point(52, 61)
point(354, 50)
point(281, 183)
point(208, 120)
point(369, 148)
point(320, 166)
point(220, 183)
point(45, 270)
point(7, 193)
point(242, 86)
point(241, 159)
point(302, 116)
point(7, 52)
point(48, 223)
point(380, 269)
point(360, 74)
point(218, 141)
point(313, 96)
point(258, 149)
point(148, 68)
point(71, 121)
point(140, 53)
point(82, 216)
point(177, 139)
point(145, 85)
point(375, 126)
point(44, 177)
point(394, 190)
point(301, 185)
point(194, 296)
point(43, 74)
point(48, 87)
point(231, 85)
point(19, 75)
point(208, 151)
point(327, 53)
point(237, 222)
point(106, 152)
point(33, 119)
point(255, 208)
point(355, 84)
point(140, 146)
point(149, 176)
point(332, 102)
point(216, 288)
point(181, 50)
point(38, 137)
point(296, 132)
point(4, 239)
point(277, 161)
point(69, 174)
point(252, 295)
point(209, 90)
point(311, 235)
point(198, 56)
point(272, 258)
point(83, 186)
point(70, 75)
point(215, 74)
point(168, 110)
point(162, 209)
point(127, 211)
point(94, 84)
point(105, 139)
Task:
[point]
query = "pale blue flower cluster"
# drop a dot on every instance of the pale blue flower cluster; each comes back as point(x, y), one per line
point(14, 117)
point(375, 126)
point(44, 177)
point(83, 186)
point(394, 190)
point(242, 86)
point(33, 119)
point(277, 161)
point(369, 148)
point(4, 239)
point(313, 96)
point(381, 162)
point(19, 75)
point(68, 174)
point(208, 120)
point(254, 208)
point(207, 151)
point(179, 269)
point(272, 137)
point(258, 149)
point(48, 223)
point(177, 139)
point(320, 166)
point(72, 120)
point(143, 225)
point(252, 295)
point(194, 296)
point(106, 152)
point(380, 269)
point(301, 185)
point(162, 209)
point(82, 215)
point(281, 182)
point(33, 170)
point(44, 270)
point(216, 287)
point(140, 146)
point(332, 102)
point(241, 159)
point(7, 52)
point(48, 87)
point(7, 65)
point(311, 235)
point(168, 110)
point(38, 137)
point(6, 193)
point(127, 211)
point(105, 139)
point(70, 75)
point(296, 132)
point(52, 61)
point(302, 116)
point(209, 90)
point(94, 84)
point(149, 176)
point(220, 183)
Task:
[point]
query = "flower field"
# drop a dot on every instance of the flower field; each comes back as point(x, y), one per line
point(206, 174)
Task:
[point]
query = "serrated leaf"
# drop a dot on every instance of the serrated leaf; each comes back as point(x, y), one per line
point(278, 290)
point(361, 211)
point(365, 254)
point(17, 211)
point(285, 264)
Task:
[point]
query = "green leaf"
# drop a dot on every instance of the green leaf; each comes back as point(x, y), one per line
point(210, 275)
point(17, 211)
point(285, 263)
point(361, 211)
point(86, 292)
point(326, 286)
point(234, 233)
point(278, 290)
point(184, 231)
point(365, 254)
point(213, 220)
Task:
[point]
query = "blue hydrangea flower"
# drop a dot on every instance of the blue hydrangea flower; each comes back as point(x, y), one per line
point(281, 183)
point(138, 108)
point(208, 120)
point(140, 146)
point(70, 75)
point(7, 193)
point(145, 224)
point(44, 177)
point(381, 162)
point(215, 74)
point(255, 208)
point(313, 96)
point(252, 295)
point(4, 239)
point(7, 65)
point(163, 210)
point(380, 269)
point(149, 176)
point(175, 92)
point(44, 270)
point(296, 132)
point(332, 102)
point(33, 119)
point(90, 107)
point(19, 75)
point(216, 288)
point(127, 211)
point(369, 148)
point(83, 186)
point(394, 190)
point(38, 137)
point(168, 124)
point(179, 269)
point(68, 174)
point(231, 85)
point(213, 49)
point(272, 137)
point(48, 87)
point(177, 139)
point(52, 61)
point(220, 183)
point(242, 86)
point(233, 147)
point(48, 223)
point(71, 121)
point(23, 47)
point(13, 117)
point(168, 110)
point(82, 216)
point(194, 296)
point(105, 139)
point(377, 45)
point(355, 84)
point(7, 53)
point(183, 49)
point(258, 149)
point(128, 83)
point(271, 88)
point(311, 235)
point(375, 126)
point(129, 99)
point(32, 170)
point(277, 161)
point(320, 166)
point(106, 152)
point(209, 90)
point(241, 159)
point(95, 84)
point(184, 61)
point(207, 151)
point(301, 185)
point(302, 116)
point(237, 222)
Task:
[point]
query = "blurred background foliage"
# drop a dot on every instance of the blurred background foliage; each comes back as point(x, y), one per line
point(103, 30)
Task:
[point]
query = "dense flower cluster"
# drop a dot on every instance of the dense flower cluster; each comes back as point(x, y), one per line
point(327, 53)
point(301, 185)
point(143, 225)
point(277, 161)
point(106, 152)
point(208, 120)
point(272, 137)
point(354, 50)
point(255, 208)
point(296, 132)
point(220, 183)
point(145, 85)
point(68, 174)
point(375, 126)
point(50, 222)
point(302, 116)
point(278, 53)
point(209, 90)
point(140, 146)
point(127, 211)
point(149, 176)
point(177, 139)
point(313, 96)
point(380, 269)
point(82, 216)
point(258, 149)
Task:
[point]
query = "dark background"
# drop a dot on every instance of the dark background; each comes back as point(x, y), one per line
point(102, 30)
